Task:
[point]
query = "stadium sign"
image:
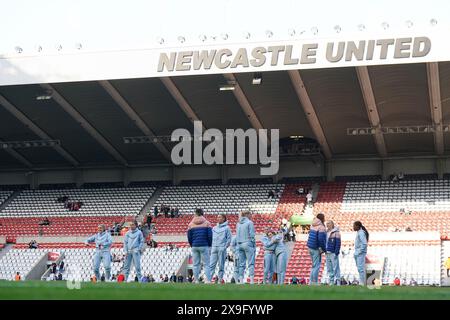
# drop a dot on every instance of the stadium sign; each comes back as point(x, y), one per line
point(295, 54)
point(257, 146)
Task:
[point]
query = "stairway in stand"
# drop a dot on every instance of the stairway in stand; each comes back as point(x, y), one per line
point(445, 253)
point(300, 263)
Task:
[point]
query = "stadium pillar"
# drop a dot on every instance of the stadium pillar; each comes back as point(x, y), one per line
point(33, 180)
point(384, 173)
point(126, 175)
point(175, 177)
point(79, 179)
point(275, 178)
point(224, 174)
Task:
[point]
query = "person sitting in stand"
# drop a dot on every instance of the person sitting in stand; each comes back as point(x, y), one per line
point(166, 212)
point(155, 211)
point(271, 194)
point(45, 222)
point(149, 220)
point(173, 277)
point(62, 199)
point(172, 212)
point(177, 212)
point(395, 178)
point(277, 192)
point(309, 198)
point(300, 191)
point(294, 280)
point(117, 228)
point(447, 266)
point(180, 279)
point(33, 245)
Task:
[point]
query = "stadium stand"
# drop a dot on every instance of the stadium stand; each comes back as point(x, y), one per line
point(103, 201)
point(388, 196)
point(179, 225)
point(154, 261)
point(229, 266)
point(4, 195)
point(299, 264)
point(19, 260)
point(290, 202)
point(408, 260)
point(109, 205)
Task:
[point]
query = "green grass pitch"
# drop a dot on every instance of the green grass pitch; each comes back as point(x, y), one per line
point(187, 291)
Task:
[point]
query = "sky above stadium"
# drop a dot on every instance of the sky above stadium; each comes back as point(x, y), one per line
point(111, 25)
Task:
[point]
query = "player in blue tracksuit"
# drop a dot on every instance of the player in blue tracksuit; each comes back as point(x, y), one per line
point(221, 239)
point(246, 244)
point(280, 257)
point(269, 256)
point(103, 242)
point(317, 245)
point(133, 245)
point(200, 239)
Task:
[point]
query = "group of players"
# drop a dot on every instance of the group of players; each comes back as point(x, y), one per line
point(209, 247)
